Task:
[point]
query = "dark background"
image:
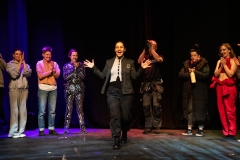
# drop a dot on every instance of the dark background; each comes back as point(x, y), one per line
point(93, 26)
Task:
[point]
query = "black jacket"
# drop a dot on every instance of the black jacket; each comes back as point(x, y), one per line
point(198, 90)
point(128, 73)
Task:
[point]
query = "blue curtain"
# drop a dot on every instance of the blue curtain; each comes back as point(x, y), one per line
point(13, 31)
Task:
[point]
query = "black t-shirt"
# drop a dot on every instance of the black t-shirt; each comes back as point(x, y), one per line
point(153, 72)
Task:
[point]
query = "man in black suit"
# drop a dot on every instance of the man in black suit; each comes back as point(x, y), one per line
point(118, 73)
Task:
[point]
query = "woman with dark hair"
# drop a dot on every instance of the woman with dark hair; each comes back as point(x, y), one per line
point(118, 74)
point(19, 72)
point(73, 74)
point(195, 93)
point(225, 82)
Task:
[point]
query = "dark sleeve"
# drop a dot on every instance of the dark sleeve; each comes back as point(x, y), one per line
point(183, 73)
point(204, 73)
point(135, 74)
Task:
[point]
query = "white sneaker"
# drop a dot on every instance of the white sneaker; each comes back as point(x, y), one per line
point(22, 135)
point(16, 136)
point(19, 135)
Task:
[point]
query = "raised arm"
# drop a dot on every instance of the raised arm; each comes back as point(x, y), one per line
point(95, 70)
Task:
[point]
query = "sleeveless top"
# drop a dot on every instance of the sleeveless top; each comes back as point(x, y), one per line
point(227, 63)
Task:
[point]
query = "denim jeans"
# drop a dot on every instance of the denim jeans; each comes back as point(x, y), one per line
point(43, 98)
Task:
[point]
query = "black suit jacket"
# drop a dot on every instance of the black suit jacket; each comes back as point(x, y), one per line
point(128, 73)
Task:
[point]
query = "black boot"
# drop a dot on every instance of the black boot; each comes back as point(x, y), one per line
point(124, 137)
point(116, 144)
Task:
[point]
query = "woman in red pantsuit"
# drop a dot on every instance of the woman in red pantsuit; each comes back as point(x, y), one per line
point(225, 82)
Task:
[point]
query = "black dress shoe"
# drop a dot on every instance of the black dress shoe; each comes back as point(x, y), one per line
point(41, 133)
point(116, 144)
point(53, 132)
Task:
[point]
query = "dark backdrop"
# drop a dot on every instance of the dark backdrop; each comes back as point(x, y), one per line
point(92, 27)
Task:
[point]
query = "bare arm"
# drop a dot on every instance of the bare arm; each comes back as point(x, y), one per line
point(40, 73)
point(56, 70)
point(156, 56)
point(218, 70)
point(230, 72)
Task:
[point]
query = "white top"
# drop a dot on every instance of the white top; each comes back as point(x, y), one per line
point(47, 87)
point(116, 70)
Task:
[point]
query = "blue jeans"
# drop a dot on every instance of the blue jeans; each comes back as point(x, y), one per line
point(43, 98)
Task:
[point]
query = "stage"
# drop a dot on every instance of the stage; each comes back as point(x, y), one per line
point(97, 144)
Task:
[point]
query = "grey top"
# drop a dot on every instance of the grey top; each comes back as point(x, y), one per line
point(18, 78)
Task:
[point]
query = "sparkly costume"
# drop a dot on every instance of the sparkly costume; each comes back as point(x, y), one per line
point(74, 89)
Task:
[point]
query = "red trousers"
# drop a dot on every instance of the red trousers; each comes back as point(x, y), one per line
point(226, 101)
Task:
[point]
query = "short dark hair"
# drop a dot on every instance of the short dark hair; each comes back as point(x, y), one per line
point(70, 52)
point(196, 48)
point(47, 48)
point(17, 49)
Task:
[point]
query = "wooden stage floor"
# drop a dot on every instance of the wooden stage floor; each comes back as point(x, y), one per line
point(97, 145)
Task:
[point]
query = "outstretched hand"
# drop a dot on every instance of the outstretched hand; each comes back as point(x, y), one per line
point(146, 64)
point(88, 64)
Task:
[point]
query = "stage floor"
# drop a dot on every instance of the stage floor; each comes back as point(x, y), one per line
point(97, 145)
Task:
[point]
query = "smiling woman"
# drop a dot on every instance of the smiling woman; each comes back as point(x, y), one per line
point(225, 83)
point(73, 74)
point(119, 49)
point(19, 71)
point(118, 73)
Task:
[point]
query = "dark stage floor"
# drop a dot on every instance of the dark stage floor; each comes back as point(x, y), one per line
point(97, 145)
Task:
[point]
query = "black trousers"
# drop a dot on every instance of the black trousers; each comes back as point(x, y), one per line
point(120, 106)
